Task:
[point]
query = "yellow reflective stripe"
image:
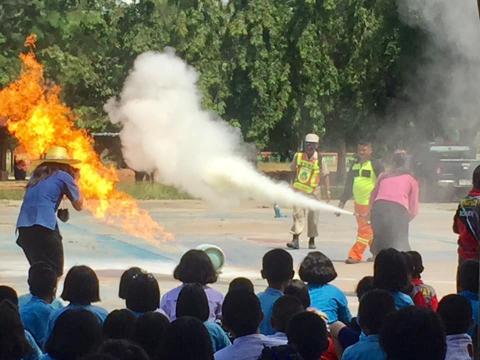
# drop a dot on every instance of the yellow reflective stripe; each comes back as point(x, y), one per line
point(363, 240)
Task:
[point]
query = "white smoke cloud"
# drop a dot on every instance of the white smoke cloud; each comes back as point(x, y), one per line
point(446, 86)
point(166, 130)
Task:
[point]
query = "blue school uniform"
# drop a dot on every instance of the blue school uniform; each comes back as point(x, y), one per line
point(24, 299)
point(35, 315)
point(267, 299)
point(98, 311)
point(36, 352)
point(475, 303)
point(401, 300)
point(367, 348)
point(218, 337)
point(330, 300)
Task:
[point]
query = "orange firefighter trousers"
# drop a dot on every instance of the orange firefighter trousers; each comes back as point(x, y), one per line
point(364, 232)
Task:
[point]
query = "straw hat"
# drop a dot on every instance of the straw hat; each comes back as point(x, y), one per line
point(312, 138)
point(56, 154)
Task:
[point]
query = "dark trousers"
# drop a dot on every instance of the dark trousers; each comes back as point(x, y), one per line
point(41, 244)
point(390, 223)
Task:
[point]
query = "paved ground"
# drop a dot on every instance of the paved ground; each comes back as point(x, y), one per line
point(244, 233)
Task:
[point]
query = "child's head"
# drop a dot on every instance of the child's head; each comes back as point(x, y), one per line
point(374, 307)
point(121, 349)
point(13, 344)
point(390, 271)
point(456, 314)
point(468, 279)
point(364, 285)
point(417, 263)
point(308, 333)
point(277, 267)
point(76, 333)
point(119, 324)
point(195, 267)
point(143, 293)
point(283, 310)
point(476, 178)
point(8, 293)
point(241, 313)
point(125, 280)
point(42, 280)
point(187, 338)
point(81, 286)
point(413, 333)
point(149, 331)
point(192, 301)
point(241, 283)
point(298, 289)
point(317, 268)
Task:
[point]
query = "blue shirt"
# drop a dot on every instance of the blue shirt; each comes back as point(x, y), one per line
point(35, 315)
point(24, 299)
point(248, 347)
point(367, 348)
point(36, 352)
point(41, 200)
point(218, 337)
point(401, 300)
point(330, 300)
point(98, 311)
point(267, 299)
point(475, 303)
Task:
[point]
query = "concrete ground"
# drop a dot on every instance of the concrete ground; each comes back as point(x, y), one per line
point(244, 233)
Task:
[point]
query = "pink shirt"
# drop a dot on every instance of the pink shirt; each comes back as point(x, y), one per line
point(401, 189)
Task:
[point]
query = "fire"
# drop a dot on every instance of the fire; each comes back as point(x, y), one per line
point(38, 119)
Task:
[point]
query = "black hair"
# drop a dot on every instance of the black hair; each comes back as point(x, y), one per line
point(413, 333)
point(307, 332)
point(13, 343)
point(417, 263)
point(143, 293)
point(373, 309)
point(42, 280)
point(121, 349)
point(468, 277)
point(47, 169)
point(76, 332)
point(187, 338)
point(364, 285)
point(241, 313)
point(390, 271)
point(195, 267)
point(277, 266)
point(298, 289)
point(192, 301)
point(149, 331)
point(125, 280)
point(8, 293)
point(241, 283)
point(283, 309)
point(364, 142)
point(81, 286)
point(476, 178)
point(317, 268)
point(119, 324)
point(456, 314)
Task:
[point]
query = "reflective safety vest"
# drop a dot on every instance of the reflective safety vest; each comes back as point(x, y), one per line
point(364, 180)
point(308, 174)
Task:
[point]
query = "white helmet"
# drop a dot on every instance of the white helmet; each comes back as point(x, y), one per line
point(312, 138)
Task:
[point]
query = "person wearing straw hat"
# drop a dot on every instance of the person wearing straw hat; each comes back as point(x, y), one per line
point(53, 179)
point(308, 168)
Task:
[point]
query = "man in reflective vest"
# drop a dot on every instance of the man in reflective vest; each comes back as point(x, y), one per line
point(361, 180)
point(307, 167)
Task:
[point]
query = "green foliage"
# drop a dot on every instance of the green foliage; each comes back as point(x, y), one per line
point(275, 69)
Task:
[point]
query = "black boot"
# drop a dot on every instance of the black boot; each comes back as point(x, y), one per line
point(294, 243)
point(311, 243)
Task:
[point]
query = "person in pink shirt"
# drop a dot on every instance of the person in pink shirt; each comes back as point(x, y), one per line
point(394, 203)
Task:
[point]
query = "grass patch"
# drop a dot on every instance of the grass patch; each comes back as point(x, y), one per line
point(152, 191)
point(11, 194)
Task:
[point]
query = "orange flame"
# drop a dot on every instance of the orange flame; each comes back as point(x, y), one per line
point(38, 119)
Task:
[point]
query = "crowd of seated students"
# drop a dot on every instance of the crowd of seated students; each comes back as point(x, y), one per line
point(399, 317)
